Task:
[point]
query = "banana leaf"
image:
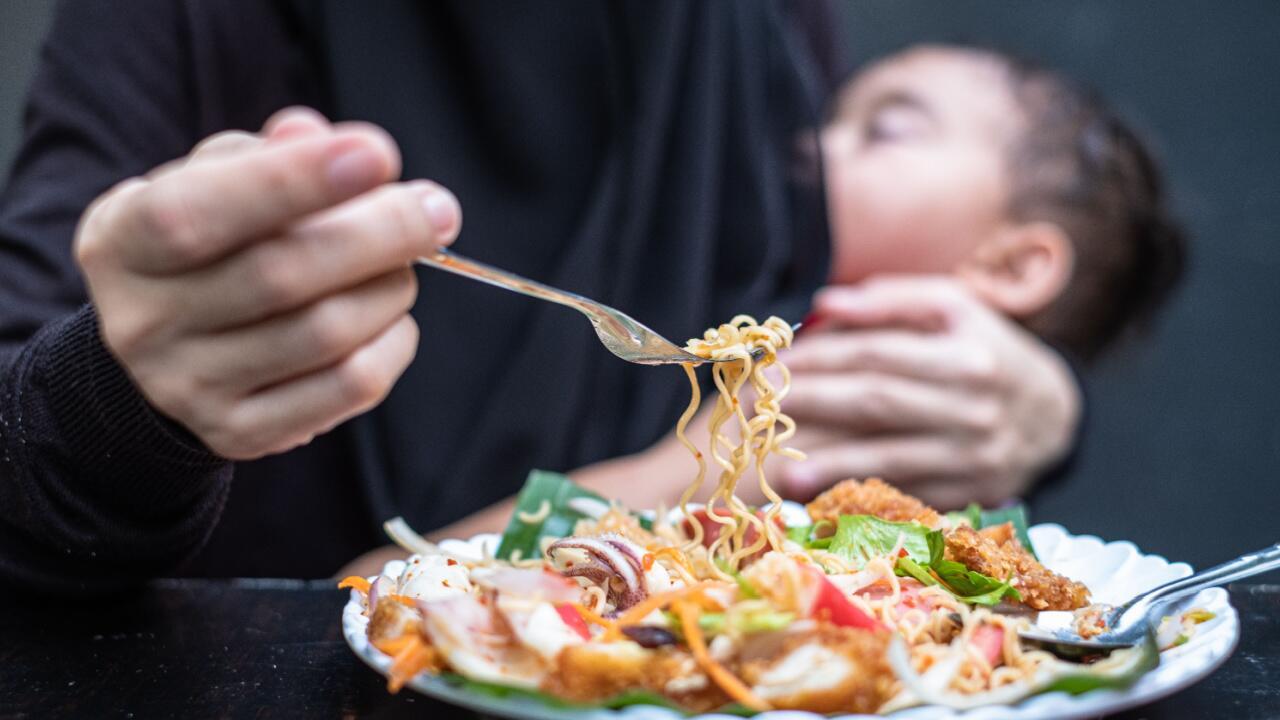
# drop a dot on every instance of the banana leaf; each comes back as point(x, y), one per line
point(559, 492)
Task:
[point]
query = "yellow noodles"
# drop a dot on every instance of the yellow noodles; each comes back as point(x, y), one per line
point(758, 436)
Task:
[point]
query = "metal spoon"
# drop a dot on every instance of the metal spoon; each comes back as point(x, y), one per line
point(623, 335)
point(1130, 623)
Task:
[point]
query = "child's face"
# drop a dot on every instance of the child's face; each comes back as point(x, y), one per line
point(915, 163)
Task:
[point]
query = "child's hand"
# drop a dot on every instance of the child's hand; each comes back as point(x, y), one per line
point(915, 380)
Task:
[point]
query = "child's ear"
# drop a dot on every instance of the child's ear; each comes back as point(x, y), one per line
point(1022, 269)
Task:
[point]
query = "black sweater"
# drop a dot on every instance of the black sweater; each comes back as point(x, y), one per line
point(638, 152)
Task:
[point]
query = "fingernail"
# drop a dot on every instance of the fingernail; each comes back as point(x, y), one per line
point(442, 210)
point(355, 171)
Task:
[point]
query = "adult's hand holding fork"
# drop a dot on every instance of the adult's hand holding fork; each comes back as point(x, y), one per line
point(257, 291)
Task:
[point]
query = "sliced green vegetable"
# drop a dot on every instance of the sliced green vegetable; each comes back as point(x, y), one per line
point(497, 690)
point(1199, 616)
point(557, 491)
point(800, 534)
point(862, 537)
point(744, 586)
point(910, 568)
point(764, 620)
point(619, 701)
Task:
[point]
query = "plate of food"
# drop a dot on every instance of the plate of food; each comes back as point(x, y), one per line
point(864, 602)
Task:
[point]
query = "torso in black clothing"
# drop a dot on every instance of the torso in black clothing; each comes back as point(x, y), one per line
point(637, 152)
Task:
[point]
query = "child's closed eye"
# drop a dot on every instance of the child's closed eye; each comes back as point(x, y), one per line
point(897, 119)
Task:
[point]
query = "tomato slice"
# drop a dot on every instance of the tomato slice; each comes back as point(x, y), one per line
point(831, 605)
point(712, 529)
point(571, 617)
point(989, 640)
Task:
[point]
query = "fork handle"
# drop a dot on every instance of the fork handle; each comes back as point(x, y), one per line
point(450, 261)
point(1246, 565)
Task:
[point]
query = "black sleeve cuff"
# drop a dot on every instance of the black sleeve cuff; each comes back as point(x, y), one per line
point(117, 439)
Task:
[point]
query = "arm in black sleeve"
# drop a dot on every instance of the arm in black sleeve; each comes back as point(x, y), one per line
point(96, 489)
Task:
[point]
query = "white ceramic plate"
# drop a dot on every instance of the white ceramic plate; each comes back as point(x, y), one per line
point(1113, 571)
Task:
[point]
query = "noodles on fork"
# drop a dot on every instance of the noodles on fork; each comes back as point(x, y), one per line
point(762, 434)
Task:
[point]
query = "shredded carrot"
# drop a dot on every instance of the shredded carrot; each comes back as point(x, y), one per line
point(393, 646)
point(355, 581)
point(403, 600)
point(735, 688)
point(641, 610)
point(595, 619)
point(412, 659)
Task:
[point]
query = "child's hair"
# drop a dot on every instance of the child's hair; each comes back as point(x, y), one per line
point(1077, 165)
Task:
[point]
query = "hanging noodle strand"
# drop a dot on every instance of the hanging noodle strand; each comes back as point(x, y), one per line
point(759, 435)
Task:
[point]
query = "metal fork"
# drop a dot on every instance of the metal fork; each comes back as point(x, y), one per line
point(1129, 623)
point(623, 335)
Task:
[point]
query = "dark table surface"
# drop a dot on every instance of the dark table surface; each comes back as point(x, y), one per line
point(268, 649)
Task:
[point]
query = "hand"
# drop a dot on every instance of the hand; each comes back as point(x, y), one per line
point(257, 291)
point(916, 381)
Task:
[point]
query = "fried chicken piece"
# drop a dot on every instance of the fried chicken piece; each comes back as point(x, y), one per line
point(597, 671)
point(830, 669)
point(873, 497)
point(983, 551)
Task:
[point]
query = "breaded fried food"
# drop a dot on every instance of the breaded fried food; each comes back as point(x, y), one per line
point(873, 497)
point(829, 669)
point(996, 552)
point(598, 671)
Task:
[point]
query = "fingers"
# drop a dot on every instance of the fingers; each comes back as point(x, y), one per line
point(316, 336)
point(946, 471)
point(895, 352)
point(953, 493)
point(875, 402)
point(192, 216)
point(294, 122)
point(897, 459)
point(359, 240)
point(222, 145)
point(291, 414)
point(917, 303)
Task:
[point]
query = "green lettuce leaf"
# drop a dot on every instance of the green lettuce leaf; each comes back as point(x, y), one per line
point(967, 585)
point(974, 587)
point(862, 537)
point(805, 535)
point(558, 490)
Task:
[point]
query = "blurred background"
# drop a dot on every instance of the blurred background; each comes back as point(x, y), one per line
point(1183, 437)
